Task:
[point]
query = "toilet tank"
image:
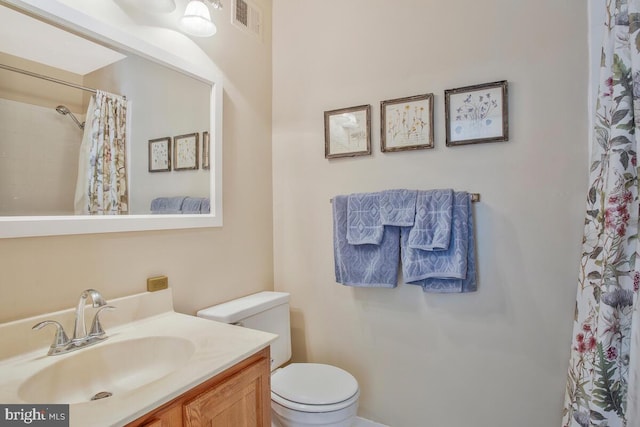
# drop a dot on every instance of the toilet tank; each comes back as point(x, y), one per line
point(264, 311)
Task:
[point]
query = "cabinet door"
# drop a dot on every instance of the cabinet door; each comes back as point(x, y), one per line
point(242, 400)
point(170, 417)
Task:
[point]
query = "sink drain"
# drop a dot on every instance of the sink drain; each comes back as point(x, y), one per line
point(102, 395)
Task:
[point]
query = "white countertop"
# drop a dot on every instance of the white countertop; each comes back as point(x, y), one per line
point(217, 346)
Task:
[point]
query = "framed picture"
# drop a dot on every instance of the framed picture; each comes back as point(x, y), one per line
point(406, 123)
point(205, 150)
point(160, 155)
point(475, 114)
point(185, 152)
point(347, 132)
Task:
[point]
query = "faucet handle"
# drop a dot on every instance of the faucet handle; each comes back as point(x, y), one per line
point(60, 341)
point(96, 326)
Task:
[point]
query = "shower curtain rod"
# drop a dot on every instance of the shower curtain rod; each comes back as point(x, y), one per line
point(51, 79)
point(43, 77)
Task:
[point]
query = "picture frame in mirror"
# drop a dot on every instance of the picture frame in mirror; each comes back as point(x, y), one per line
point(205, 150)
point(160, 155)
point(185, 152)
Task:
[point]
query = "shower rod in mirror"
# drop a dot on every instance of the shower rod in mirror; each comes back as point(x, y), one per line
point(47, 78)
point(62, 109)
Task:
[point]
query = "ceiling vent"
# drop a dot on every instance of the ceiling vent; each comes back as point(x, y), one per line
point(247, 16)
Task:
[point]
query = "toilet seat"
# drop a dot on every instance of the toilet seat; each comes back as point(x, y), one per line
point(313, 387)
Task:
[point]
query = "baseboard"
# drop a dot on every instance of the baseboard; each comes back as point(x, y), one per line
point(361, 422)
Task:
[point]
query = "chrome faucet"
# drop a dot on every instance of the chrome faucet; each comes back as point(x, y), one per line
point(61, 343)
point(80, 330)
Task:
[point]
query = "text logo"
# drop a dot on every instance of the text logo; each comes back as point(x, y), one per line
point(34, 415)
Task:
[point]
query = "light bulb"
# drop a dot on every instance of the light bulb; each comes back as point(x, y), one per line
point(197, 20)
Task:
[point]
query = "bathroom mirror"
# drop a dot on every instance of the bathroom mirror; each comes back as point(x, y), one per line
point(167, 97)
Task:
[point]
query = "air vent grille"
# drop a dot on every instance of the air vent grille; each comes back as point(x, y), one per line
point(247, 16)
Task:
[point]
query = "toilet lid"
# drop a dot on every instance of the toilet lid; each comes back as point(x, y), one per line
point(313, 384)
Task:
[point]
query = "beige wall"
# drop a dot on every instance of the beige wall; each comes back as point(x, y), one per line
point(205, 266)
point(497, 357)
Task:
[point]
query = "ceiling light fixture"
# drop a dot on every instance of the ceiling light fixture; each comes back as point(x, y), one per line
point(196, 20)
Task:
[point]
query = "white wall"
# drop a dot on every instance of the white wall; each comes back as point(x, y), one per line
point(497, 357)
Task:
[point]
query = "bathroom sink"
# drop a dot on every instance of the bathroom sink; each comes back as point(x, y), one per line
point(151, 356)
point(107, 369)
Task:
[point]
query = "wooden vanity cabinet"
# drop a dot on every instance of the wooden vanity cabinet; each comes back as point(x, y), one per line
point(237, 397)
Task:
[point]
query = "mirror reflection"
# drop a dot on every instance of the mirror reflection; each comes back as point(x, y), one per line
point(137, 146)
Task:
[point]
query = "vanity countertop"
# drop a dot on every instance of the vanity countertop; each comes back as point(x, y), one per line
point(214, 348)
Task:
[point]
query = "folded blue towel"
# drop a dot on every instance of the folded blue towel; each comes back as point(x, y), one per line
point(167, 205)
point(363, 219)
point(398, 207)
point(205, 207)
point(191, 205)
point(364, 265)
point(432, 228)
point(468, 284)
point(451, 270)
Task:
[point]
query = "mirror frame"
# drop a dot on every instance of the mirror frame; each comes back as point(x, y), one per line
point(74, 20)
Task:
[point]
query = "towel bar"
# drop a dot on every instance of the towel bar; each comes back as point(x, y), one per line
point(475, 197)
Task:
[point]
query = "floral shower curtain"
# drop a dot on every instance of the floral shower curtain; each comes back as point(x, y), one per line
point(102, 178)
point(602, 384)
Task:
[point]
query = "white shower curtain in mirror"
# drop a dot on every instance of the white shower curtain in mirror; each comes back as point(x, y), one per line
point(101, 187)
point(602, 383)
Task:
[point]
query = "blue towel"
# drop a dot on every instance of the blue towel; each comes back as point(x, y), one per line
point(191, 205)
point(452, 270)
point(398, 207)
point(432, 228)
point(205, 206)
point(167, 205)
point(363, 219)
point(364, 265)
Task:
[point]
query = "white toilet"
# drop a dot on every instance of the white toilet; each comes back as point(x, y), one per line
point(302, 394)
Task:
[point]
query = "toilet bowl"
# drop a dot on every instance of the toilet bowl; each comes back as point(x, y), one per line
point(302, 394)
point(313, 394)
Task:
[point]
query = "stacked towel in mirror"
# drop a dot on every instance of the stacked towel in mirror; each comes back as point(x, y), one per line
point(180, 205)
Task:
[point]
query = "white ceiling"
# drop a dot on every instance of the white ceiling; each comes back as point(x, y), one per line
point(28, 38)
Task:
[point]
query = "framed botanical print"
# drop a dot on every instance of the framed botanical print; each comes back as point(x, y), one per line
point(475, 114)
point(406, 123)
point(347, 132)
point(160, 155)
point(185, 152)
